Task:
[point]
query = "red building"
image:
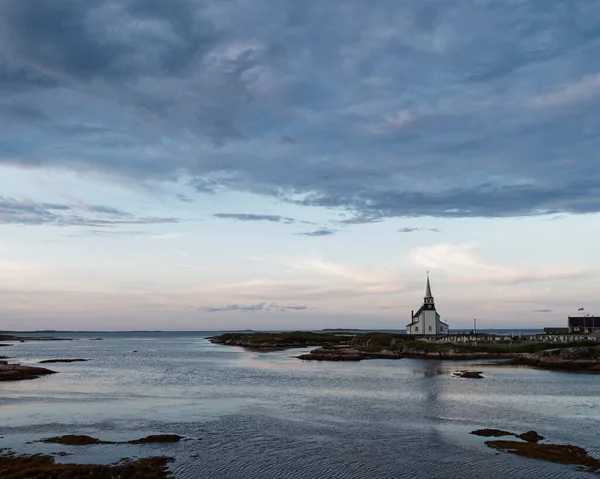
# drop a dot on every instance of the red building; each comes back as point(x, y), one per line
point(584, 324)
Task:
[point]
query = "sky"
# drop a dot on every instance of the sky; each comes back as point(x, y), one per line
point(210, 165)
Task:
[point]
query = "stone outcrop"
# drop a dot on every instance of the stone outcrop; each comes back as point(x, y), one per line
point(492, 433)
point(44, 467)
point(564, 358)
point(468, 374)
point(77, 440)
point(531, 448)
point(558, 453)
point(356, 354)
point(531, 436)
point(50, 361)
point(17, 372)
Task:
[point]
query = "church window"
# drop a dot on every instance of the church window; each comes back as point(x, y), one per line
point(416, 329)
point(429, 328)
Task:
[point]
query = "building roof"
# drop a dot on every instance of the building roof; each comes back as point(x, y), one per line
point(428, 289)
point(584, 321)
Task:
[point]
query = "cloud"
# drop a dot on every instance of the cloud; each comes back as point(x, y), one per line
point(396, 109)
point(108, 233)
point(28, 212)
point(462, 261)
point(321, 232)
point(362, 219)
point(166, 236)
point(412, 230)
point(256, 307)
point(253, 217)
point(317, 266)
point(582, 90)
point(543, 311)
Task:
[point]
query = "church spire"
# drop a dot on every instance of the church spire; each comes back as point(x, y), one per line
point(428, 295)
point(428, 288)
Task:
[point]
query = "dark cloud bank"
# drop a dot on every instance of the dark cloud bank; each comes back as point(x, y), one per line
point(386, 108)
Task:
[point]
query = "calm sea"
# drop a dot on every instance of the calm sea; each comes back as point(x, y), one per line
point(268, 415)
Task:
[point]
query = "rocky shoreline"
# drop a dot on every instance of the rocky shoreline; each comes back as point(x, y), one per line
point(575, 359)
point(357, 354)
point(580, 359)
point(574, 356)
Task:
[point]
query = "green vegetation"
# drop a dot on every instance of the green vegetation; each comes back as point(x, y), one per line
point(376, 340)
point(282, 339)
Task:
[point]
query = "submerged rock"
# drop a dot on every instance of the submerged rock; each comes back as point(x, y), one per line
point(492, 433)
point(468, 374)
point(156, 438)
point(49, 361)
point(77, 440)
point(74, 440)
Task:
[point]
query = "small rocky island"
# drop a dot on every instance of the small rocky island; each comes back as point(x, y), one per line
point(347, 346)
point(530, 446)
point(17, 372)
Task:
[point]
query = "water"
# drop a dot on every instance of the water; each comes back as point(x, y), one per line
point(269, 415)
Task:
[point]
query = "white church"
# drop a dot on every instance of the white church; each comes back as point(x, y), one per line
point(427, 322)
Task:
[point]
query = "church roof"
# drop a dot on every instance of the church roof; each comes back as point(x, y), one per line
point(428, 289)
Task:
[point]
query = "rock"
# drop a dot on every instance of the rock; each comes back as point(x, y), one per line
point(530, 436)
point(468, 374)
point(583, 358)
point(75, 440)
point(17, 372)
point(160, 438)
point(559, 453)
point(44, 467)
point(492, 433)
point(49, 361)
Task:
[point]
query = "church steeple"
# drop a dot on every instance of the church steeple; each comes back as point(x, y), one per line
point(428, 296)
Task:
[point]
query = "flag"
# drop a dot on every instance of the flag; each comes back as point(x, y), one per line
point(580, 309)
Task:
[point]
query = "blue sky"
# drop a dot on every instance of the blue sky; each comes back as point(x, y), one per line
point(258, 164)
